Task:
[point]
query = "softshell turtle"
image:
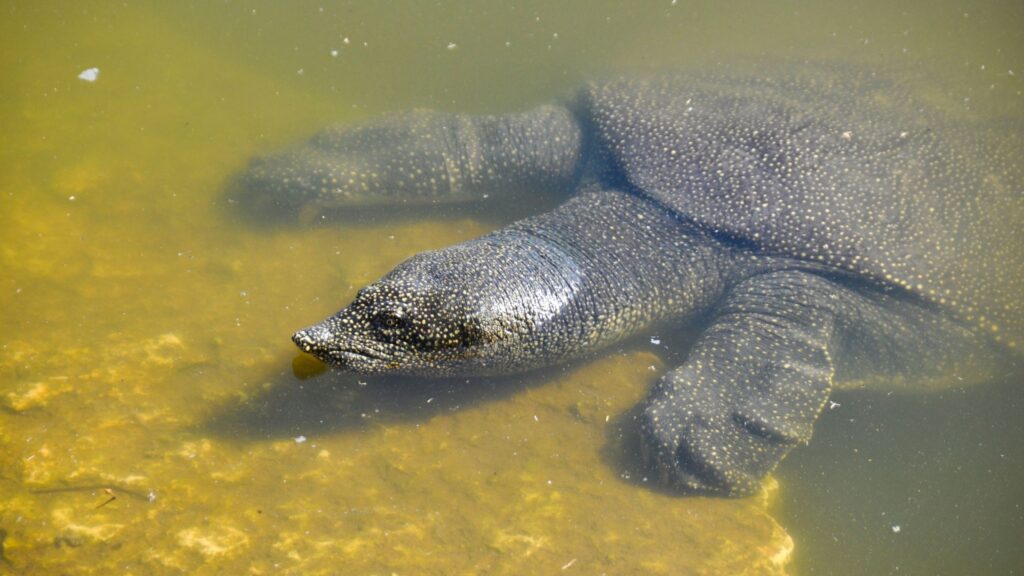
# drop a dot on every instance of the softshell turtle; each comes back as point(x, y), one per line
point(823, 227)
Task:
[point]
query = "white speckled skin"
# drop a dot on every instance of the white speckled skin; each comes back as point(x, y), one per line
point(415, 158)
point(843, 169)
point(831, 230)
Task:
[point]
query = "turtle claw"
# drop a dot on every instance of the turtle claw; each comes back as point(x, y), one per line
point(704, 452)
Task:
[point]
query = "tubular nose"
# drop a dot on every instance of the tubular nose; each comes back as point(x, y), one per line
point(312, 339)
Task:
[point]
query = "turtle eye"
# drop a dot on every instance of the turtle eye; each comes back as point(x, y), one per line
point(389, 319)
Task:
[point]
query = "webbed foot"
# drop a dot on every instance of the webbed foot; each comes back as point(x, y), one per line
point(749, 392)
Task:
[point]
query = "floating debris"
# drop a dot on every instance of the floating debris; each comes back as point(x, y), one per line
point(110, 493)
point(89, 74)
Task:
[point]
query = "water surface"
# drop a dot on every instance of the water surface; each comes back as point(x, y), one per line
point(153, 415)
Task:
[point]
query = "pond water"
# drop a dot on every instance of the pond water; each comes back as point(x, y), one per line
point(156, 419)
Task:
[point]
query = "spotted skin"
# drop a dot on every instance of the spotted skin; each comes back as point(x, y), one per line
point(544, 295)
point(843, 169)
point(419, 157)
point(762, 370)
point(827, 229)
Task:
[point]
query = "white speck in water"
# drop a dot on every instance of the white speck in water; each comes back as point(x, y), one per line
point(361, 383)
point(151, 496)
point(452, 45)
point(833, 405)
point(429, 400)
point(334, 53)
point(71, 198)
point(345, 41)
point(300, 71)
point(655, 340)
point(89, 74)
point(300, 439)
point(896, 528)
point(535, 419)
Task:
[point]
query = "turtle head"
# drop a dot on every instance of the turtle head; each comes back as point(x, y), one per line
point(489, 306)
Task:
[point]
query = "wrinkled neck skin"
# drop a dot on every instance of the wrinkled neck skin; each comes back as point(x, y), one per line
point(622, 265)
point(557, 286)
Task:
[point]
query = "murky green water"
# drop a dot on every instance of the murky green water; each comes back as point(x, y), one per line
point(151, 418)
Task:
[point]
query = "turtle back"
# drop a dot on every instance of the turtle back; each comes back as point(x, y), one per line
point(836, 167)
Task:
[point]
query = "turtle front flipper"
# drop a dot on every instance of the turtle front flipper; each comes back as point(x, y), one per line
point(416, 158)
point(750, 390)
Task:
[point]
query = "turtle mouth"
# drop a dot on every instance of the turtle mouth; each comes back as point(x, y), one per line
point(347, 354)
point(354, 359)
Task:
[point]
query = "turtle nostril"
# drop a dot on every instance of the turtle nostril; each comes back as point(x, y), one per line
point(312, 339)
point(301, 339)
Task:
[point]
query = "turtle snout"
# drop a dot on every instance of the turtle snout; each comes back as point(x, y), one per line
point(313, 340)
